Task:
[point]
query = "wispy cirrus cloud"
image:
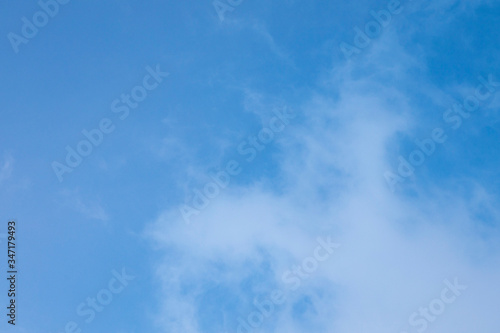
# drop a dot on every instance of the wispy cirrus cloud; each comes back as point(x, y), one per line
point(89, 208)
point(6, 168)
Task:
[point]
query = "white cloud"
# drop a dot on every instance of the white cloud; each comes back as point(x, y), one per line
point(396, 250)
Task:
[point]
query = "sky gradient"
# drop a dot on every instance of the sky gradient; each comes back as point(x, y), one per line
point(246, 166)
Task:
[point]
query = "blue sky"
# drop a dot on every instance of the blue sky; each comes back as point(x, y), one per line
point(330, 131)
